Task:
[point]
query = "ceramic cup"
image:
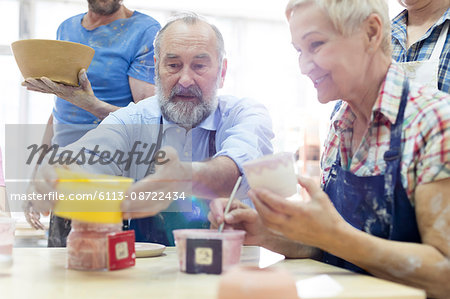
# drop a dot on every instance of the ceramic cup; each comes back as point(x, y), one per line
point(273, 172)
point(7, 227)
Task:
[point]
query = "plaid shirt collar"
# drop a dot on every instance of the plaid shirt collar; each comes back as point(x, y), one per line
point(399, 26)
point(387, 103)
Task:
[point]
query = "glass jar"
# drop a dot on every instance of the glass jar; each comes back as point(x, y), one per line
point(6, 242)
point(87, 245)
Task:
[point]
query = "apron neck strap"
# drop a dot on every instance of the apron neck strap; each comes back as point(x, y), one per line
point(439, 46)
point(394, 151)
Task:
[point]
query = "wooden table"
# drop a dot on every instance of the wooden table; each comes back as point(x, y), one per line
point(41, 273)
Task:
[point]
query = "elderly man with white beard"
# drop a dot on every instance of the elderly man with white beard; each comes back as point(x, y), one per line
point(204, 138)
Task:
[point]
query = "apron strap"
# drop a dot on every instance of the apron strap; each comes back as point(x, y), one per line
point(212, 143)
point(393, 155)
point(439, 46)
point(159, 228)
point(151, 166)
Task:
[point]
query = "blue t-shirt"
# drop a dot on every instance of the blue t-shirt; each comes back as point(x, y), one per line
point(123, 48)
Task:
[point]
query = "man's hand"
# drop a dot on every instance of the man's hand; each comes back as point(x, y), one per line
point(32, 217)
point(172, 176)
point(81, 96)
point(43, 182)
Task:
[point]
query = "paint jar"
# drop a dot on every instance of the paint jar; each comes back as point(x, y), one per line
point(7, 227)
point(87, 245)
point(207, 250)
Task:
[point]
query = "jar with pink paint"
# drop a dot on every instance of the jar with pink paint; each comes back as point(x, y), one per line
point(7, 228)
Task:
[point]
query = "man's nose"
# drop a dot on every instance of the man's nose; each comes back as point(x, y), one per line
point(186, 77)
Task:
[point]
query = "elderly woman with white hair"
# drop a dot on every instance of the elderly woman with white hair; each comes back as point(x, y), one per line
point(384, 205)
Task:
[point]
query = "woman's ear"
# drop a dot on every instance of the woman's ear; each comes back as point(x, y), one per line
point(374, 32)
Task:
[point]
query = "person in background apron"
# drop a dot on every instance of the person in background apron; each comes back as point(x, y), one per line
point(384, 205)
point(424, 51)
point(421, 43)
point(118, 75)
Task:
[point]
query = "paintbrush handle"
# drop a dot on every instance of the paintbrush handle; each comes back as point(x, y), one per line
point(227, 208)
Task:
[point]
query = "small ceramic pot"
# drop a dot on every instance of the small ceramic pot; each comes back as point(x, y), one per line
point(242, 282)
point(232, 241)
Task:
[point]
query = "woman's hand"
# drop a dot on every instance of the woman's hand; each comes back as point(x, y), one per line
point(311, 221)
point(240, 216)
point(244, 217)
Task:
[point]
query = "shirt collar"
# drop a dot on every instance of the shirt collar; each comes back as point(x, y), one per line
point(399, 25)
point(344, 118)
point(212, 121)
point(388, 100)
point(387, 103)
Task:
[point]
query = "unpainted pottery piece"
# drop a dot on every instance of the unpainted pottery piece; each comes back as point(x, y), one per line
point(60, 61)
point(242, 282)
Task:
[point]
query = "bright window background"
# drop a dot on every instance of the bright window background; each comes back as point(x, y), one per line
point(261, 62)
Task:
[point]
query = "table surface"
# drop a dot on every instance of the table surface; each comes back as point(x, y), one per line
point(42, 273)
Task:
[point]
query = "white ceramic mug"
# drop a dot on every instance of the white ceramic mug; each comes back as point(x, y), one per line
point(273, 172)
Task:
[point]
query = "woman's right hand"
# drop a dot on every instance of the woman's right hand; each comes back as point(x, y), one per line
point(240, 216)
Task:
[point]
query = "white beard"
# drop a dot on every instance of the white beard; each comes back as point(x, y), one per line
point(186, 114)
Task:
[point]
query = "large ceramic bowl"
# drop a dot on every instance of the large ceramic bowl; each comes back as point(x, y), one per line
point(60, 61)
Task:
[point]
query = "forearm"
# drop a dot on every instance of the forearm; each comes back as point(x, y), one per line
point(418, 265)
point(214, 178)
point(289, 248)
point(99, 108)
point(48, 133)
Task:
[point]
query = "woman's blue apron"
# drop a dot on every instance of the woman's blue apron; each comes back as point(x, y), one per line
point(378, 204)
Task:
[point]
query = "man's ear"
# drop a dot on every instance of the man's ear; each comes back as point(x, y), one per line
point(223, 73)
point(374, 32)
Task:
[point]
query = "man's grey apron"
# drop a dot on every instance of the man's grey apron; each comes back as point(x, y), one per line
point(156, 229)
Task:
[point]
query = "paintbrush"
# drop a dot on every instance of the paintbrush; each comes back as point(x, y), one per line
point(227, 208)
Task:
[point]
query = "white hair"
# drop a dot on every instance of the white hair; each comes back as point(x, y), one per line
point(189, 18)
point(348, 15)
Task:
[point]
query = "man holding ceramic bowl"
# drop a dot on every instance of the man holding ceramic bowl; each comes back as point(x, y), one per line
point(196, 141)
